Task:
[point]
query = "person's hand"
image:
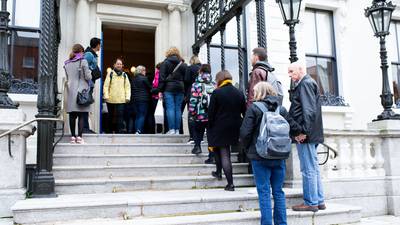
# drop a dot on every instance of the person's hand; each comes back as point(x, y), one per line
point(300, 138)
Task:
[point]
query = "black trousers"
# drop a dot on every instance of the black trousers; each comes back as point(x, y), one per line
point(151, 120)
point(199, 129)
point(116, 117)
point(72, 122)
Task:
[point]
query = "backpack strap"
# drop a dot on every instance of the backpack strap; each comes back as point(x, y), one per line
point(261, 106)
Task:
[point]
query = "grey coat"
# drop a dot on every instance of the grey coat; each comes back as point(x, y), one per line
point(76, 80)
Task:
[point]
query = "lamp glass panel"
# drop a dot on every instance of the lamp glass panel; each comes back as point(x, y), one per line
point(286, 4)
point(371, 21)
point(296, 9)
point(282, 11)
point(377, 16)
point(387, 15)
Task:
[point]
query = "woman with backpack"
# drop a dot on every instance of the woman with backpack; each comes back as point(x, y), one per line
point(171, 84)
point(200, 95)
point(269, 167)
point(78, 77)
point(117, 92)
point(225, 112)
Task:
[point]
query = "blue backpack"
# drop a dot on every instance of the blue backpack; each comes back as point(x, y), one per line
point(273, 141)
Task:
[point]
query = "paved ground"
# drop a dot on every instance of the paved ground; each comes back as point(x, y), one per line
point(6, 222)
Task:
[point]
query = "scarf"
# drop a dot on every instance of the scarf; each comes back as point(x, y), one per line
point(78, 56)
point(225, 82)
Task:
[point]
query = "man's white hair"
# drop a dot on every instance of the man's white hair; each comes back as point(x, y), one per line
point(140, 69)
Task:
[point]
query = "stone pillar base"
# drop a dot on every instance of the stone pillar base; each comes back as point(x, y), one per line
point(8, 197)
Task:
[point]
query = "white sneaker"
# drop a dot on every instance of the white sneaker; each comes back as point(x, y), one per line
point(170, 132)
point(177, 132)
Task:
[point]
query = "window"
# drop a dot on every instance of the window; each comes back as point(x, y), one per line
point(320, 50)
point(24, 45)
point(394, 56)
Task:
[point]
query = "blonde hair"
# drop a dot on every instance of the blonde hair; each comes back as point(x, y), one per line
point(262, 90)
point(194, 60)
point(173, 51)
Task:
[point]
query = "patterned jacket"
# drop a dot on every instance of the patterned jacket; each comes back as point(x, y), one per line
point(201, 91)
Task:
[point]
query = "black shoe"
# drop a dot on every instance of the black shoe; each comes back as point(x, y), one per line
point(196, 150)
point(216, 175)
point(230, 187)
point(209, 161)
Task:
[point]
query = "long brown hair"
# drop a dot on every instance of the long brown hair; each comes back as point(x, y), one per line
point(77, 48)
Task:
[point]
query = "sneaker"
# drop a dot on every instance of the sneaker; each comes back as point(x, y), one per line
point(72, 140)
point(216, 175)
point(196, 150)
point(303, 207)
point(209, 161)
point(191, 141)
point(137, 133)
point(230, 187)
point(177, 132)
point(80, 140)
point(170, 132)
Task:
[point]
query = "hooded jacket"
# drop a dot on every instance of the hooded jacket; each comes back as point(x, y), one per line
point(250, 128)
point(169, 83)
point(258, 74)
point(117, 90)
point(196, 109)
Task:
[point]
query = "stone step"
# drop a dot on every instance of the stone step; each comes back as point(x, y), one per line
point(138, 204)
point(128, 138)
point(74, 172)
point(158, 148)
point(335, 214)
point(130, 159)
point(123, 184)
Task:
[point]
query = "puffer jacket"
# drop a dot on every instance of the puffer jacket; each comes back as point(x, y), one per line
point(117, 90)
point(141, 88)
point(169, 83)
point(305, 111)
point(250, 128)
point(197, 110)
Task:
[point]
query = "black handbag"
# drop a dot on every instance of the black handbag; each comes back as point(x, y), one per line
point(84, 97)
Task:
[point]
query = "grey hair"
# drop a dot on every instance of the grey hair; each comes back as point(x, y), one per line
point(140, 69)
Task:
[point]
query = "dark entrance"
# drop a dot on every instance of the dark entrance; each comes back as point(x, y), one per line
point(134, 46)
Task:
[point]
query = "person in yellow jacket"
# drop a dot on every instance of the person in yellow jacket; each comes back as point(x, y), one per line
point(116, 92)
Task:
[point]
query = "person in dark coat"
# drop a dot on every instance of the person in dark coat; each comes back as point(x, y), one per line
point(141, 89)
point(268, 173)
point(307, 131)
point(225, 112)
point(172, 85)
point(192, 73)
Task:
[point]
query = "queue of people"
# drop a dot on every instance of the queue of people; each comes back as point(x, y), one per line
point(220, 109)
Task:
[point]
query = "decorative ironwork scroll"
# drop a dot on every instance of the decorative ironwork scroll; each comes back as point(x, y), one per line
point(329, 99)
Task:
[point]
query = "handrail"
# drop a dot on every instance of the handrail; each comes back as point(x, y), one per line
point(28, 123)
point(330, 149)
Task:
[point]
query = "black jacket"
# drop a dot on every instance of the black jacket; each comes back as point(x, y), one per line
point(227, 106)
point(305, 111)
point(250, 128)
point(192, 72)
point(170, 83)
point(140, 88)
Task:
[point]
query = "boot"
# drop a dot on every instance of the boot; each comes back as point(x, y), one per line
point(216, 175)
point(196, 150)
point(230, 187)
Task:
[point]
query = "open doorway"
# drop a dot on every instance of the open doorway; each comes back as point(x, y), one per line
point(134, 46)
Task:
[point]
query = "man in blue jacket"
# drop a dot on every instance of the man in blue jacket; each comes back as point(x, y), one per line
point(307, 131)
point(92, 59)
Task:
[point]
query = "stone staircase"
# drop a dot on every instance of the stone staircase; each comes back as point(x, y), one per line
point(153, 179)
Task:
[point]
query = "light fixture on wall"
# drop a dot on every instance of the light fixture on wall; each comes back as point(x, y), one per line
point(380, 16)
point(290, 10)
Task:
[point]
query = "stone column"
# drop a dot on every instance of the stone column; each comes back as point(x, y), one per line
point(175, 25)
point(82, 22)
point(390, 133)
point(12, 177)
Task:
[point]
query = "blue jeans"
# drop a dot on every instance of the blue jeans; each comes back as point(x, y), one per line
point(267, 175)
point(173, 103)
point(141, 113)
point(312, 187)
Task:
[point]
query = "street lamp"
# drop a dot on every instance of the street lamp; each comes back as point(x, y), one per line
point(5, 79)
point(380, 15)
point(290, 10)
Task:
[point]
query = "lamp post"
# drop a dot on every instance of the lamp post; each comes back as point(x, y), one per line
point(5, 79)
point(290, 10)
point(380, 16)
